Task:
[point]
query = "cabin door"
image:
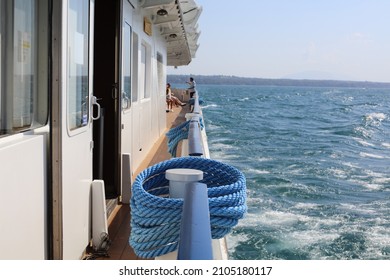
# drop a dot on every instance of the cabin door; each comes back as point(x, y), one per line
point(79, 109)
point(126, 88)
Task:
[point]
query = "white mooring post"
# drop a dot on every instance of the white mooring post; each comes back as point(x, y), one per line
point(179, 177)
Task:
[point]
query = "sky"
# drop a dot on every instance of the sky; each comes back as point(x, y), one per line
point(303, 39)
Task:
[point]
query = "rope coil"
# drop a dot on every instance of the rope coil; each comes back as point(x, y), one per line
point(178, 133)
point(155, 218)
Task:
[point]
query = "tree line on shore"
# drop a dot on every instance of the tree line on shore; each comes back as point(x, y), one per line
point(234, 80)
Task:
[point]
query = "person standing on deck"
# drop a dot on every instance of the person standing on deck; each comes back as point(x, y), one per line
point(192, 87)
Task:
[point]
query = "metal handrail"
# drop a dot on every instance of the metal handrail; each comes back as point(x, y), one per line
point(195, 147)
point(195, 241)
point(195, 227)
point(196, 108)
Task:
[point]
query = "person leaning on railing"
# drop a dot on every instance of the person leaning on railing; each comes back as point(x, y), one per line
point(192, 87)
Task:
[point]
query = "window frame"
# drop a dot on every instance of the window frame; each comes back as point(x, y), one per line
point(19, 47)
point(127, 61)
point(74, 130)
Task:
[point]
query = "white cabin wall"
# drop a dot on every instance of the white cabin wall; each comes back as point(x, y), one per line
point(23, 191)
point(159, 87)
point(24, 152)
point(136, 150)
point(76, 170)
point(148, 114)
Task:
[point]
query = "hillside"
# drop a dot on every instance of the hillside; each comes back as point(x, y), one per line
point(234, 80)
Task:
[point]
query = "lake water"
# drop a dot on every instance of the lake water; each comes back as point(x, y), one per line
point(317, 163)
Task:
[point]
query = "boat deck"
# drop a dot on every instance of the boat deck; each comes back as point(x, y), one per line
point(119, 224)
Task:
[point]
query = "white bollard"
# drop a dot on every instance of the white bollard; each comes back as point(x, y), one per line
point(179, 177)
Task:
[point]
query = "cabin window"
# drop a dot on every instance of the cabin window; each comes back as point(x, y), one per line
point(126, 75)
point(78, 64)
point(142, 71)
point(1, 66)
point(135, 67)
point(23, 65)
point(160, 74)
point(145, 71)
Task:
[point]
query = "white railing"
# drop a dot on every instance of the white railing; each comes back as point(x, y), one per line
point(195, 232)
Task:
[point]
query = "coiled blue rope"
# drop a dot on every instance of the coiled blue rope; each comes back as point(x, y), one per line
point(155, 218)
point(178, 133)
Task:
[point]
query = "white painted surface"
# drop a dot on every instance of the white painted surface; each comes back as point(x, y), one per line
point(22, 198)
point(77, 148)
point(99, 213)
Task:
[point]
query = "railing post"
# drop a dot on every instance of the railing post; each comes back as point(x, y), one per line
point(195, 241)
point(195, 232)
point(196, 108)
point(179, 177)
point(195, 147)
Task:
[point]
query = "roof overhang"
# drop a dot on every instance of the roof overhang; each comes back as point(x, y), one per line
point(177, 23)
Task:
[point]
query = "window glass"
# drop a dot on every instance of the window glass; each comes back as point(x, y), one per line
point(24, 79)
point(142, 72)
point(23, 65)
point(78, 63)
point(160, 74)
point(134, 94)
point(146, 61)
point(1, 63)
point(126, 74)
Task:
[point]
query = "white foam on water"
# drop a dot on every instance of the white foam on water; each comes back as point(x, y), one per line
point(369, 155)
point(222, 146)
point(262, 159)
point(350, 165)
point(371, 180)
point(363, 131)
point(376, 117)
point(383, 180)
point(211, 126)
point(363, 142)
point(279, 218)
point(257, 171)
point(302, 205)
point(311, 235)
point(338, 173)
point(386, 145)
point(221, 155)
point(356, 208)
point(379, 236)
point(210, 106)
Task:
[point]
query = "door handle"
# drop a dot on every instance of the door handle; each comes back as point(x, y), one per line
point(98, 108)
point(125, 101)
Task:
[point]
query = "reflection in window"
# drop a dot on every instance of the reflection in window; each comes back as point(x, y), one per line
point(78, 67)
point(145, 71)
point(126, 75)
point(23, 65)
point(1, 65)
point(160, 74)
point(135, 68)
point(142, 83)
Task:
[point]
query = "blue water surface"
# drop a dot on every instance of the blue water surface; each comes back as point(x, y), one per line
point(317, 167)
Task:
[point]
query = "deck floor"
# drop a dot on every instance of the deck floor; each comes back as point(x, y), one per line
point(119, 222)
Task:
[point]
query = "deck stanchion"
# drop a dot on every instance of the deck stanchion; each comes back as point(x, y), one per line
point(179, 177)
point(195, 231)
point(195, 147)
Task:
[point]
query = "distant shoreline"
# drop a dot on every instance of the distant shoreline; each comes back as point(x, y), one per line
point(234, 80)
